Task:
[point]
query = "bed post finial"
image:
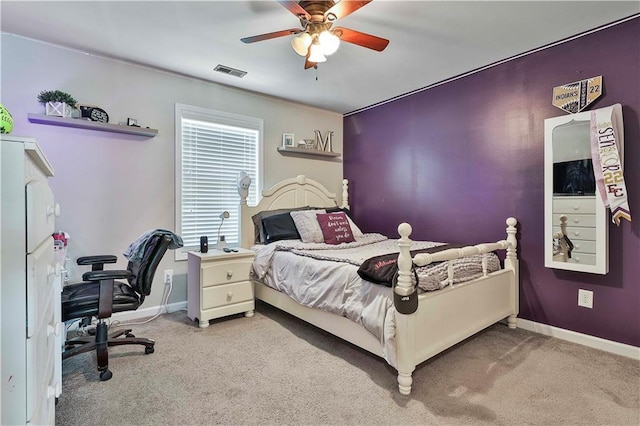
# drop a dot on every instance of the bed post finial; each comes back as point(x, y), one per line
point(511, 238)
point(345, 194)
point(404, 285)
point(405, 323)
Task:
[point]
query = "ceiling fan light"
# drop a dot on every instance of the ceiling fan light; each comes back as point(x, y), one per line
point(301, 44)
point(315, 54)
point(329, 42)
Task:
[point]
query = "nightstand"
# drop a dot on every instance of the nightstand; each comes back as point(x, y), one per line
point(218, 285)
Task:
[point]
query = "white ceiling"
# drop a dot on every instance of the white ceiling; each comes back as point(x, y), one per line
point(430, 41)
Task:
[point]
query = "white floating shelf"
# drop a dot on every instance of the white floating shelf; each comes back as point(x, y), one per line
point(307, 151)
point(91, 125)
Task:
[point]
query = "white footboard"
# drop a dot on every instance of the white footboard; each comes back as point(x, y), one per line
point(449, 316)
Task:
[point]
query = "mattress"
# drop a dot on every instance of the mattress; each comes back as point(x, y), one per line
point(326, 277)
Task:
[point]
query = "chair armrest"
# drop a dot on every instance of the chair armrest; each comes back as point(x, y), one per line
point(105, 301)
point(105, 275)
point(97, 262)
point(91, 260)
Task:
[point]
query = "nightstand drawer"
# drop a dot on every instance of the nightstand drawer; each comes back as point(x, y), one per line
point(225, 272)
point(226, 294)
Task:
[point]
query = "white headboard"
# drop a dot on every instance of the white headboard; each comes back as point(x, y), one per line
point(289, 193)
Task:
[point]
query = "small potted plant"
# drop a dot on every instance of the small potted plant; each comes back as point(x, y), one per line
point(57, 102)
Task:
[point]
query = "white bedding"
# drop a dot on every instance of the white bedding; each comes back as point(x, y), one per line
point(325, 276)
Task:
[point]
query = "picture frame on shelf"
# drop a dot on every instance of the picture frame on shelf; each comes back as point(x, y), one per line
point(288, 140)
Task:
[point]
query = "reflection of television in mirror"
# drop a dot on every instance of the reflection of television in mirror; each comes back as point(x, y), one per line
point(574, 178)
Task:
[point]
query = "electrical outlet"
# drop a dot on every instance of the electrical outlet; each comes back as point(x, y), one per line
point(585, 298)
point(168, 276)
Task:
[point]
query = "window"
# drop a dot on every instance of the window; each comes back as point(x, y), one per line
point(212, 147)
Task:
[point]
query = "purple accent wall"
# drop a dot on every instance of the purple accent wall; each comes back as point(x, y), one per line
point(456, 160)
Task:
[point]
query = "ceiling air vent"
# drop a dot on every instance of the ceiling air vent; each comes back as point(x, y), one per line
point(231, 71)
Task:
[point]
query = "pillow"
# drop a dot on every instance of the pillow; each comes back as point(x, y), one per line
point(335, 228)
point(259, 235)
point(308, 226)
point(354, 228)
point(279, 227)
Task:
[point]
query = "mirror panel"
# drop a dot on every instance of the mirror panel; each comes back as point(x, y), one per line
point(576, 226)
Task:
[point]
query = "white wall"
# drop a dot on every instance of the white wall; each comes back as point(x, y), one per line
point(113, 187)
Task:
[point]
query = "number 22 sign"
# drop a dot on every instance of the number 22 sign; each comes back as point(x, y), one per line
point(574, 97)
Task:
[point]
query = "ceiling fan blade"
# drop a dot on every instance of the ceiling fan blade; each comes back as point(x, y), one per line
point(361, 39)
point(295, 8)
point(345, 7)
point(268, 36)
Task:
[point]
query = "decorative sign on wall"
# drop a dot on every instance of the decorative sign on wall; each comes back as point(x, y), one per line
point(324, 144)
point(574, 97)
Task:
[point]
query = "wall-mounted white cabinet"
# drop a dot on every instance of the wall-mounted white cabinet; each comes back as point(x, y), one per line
point(576, 219)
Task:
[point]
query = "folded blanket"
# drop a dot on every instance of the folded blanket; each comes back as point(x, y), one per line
point(135, 251)
point(382, 269)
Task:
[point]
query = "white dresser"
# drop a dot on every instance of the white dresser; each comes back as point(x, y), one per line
point(30, 308)
point(219, 285)
point(581, 226)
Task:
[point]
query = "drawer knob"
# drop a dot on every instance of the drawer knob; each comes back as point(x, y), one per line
point(53, 329)
point(53, 210)
point(576, 220)
point(230, 295)
point(577, 259)
point(576, 233)
point(51, 270)
point(229, 274)
point(576, 208)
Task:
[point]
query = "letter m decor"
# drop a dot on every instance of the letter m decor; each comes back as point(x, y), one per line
point(326, 143)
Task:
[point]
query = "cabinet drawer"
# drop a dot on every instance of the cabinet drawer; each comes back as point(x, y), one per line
point(41, 213)
point(577, 233)
point(583, 220)
point(584, 246)
point(227, 294)
point(574, 205)
point(583, 259)
point(232, 271)
point(40, 357)
point(40, 285)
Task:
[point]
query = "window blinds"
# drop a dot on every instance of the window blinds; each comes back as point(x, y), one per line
point(214, 149)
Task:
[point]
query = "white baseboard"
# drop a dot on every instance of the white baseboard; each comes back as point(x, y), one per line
point(128, 316)
point(582, 339)
point(149, 312)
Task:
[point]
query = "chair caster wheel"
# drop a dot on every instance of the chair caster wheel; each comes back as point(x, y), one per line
point(149, 350)
point(106, 375)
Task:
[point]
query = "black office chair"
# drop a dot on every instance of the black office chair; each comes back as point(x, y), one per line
point(100, 296)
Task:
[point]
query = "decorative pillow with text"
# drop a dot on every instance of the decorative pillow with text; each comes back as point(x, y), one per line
point(335, 228)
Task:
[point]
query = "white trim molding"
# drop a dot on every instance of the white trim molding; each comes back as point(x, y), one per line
point(581, 339)
point(138, 314)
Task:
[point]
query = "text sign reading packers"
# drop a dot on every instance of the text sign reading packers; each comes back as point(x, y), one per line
point(574, 97)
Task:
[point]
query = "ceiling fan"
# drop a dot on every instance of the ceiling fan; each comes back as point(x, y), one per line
point(317, 38)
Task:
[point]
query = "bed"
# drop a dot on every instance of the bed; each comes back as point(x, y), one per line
point(442, 318)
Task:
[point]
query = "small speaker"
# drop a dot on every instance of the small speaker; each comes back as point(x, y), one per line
point(204, 244)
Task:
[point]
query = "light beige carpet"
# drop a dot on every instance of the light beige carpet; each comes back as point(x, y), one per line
point(276, 369)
